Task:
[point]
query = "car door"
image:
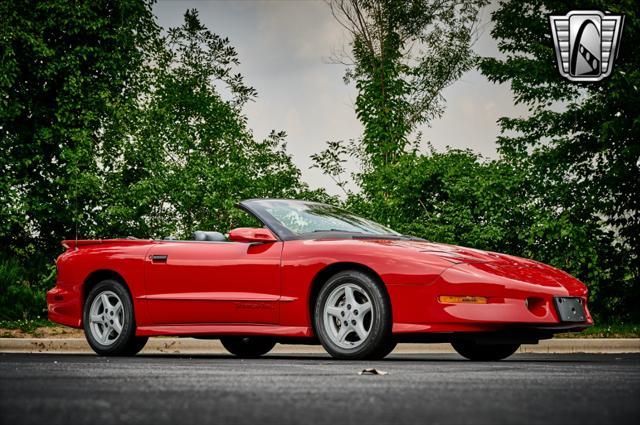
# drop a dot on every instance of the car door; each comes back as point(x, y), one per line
point(191, 282)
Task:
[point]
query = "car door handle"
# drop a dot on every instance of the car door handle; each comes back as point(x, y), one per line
point(158, 258)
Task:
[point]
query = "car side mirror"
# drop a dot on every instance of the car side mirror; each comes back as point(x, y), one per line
point(252, 235)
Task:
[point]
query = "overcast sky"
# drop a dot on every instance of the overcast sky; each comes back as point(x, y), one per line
point(284, 48)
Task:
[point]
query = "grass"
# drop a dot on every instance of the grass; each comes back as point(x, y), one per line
point(26, 325)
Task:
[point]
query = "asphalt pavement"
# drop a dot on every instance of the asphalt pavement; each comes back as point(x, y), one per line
point(309, 389)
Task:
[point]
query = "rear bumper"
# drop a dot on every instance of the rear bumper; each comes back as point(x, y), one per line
point(64, 306)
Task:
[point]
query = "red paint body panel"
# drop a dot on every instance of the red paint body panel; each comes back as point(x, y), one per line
point(213, 282)
point(236, 288)
point(228, 329)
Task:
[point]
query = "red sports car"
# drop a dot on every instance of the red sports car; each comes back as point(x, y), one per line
point(313, 273)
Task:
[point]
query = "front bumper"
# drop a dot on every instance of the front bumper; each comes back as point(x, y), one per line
point(507, 334)
point(526, 300)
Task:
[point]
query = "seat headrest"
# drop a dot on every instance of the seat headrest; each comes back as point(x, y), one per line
point(200, 235)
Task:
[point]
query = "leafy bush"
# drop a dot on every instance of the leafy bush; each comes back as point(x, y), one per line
point(20, 297)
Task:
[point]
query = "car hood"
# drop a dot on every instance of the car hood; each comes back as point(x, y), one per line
point(454, 253)
point(491, 265)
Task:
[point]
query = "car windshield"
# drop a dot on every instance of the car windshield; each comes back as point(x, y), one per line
point(310, 217)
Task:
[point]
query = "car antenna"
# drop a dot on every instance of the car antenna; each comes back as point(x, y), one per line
point(75, 212)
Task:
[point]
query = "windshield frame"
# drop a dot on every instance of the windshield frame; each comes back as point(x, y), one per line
point(257, 208)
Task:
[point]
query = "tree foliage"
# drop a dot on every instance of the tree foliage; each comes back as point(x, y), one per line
point(190, 156)
point(403, 54)
point(565, 189)
point(115, 127)
point(109, 123)
point(68, 72)
point(581, 157)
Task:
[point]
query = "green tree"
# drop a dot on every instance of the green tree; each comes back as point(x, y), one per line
point(565, 190)
point(403, 54)
point(68, 71)
point(581, 157)
point(191, 156)
point(111, 125)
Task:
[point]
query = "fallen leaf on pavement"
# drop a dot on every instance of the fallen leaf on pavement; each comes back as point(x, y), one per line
point(372, 371)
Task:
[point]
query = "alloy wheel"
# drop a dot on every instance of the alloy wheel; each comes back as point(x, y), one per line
point(348, 315)
point(106, 317)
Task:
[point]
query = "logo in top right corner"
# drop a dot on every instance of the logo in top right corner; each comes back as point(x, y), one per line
point(587, 43)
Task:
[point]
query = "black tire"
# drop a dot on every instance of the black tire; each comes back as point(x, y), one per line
point(126, 343)
point(378, 342)
point(248, 347)
point(484, 352)
point(136, 346)
point(383, 351)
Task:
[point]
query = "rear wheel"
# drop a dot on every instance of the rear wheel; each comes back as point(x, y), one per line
point(135, 346)
point(248, 346)
point(352, 317)
point(109, 322)
point(484, 352)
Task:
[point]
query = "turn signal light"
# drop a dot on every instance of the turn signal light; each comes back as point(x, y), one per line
point(466, 299)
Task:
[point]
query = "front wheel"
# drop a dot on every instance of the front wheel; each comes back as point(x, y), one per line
point(249, 346)
point(383, 350)
point(109, 322)
point(484, 352)
point(352, 317)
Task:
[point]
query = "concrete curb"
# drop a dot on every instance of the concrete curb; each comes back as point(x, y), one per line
point(200, 346)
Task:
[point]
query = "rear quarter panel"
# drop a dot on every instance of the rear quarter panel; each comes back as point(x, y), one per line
point(74, 267)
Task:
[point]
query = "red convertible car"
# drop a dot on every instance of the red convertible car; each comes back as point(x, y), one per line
point(313, 273)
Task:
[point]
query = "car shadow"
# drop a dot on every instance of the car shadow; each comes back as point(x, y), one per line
point(524, 358)
point(396, 358)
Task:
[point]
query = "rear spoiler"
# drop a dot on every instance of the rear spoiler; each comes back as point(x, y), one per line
point(72, 243)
